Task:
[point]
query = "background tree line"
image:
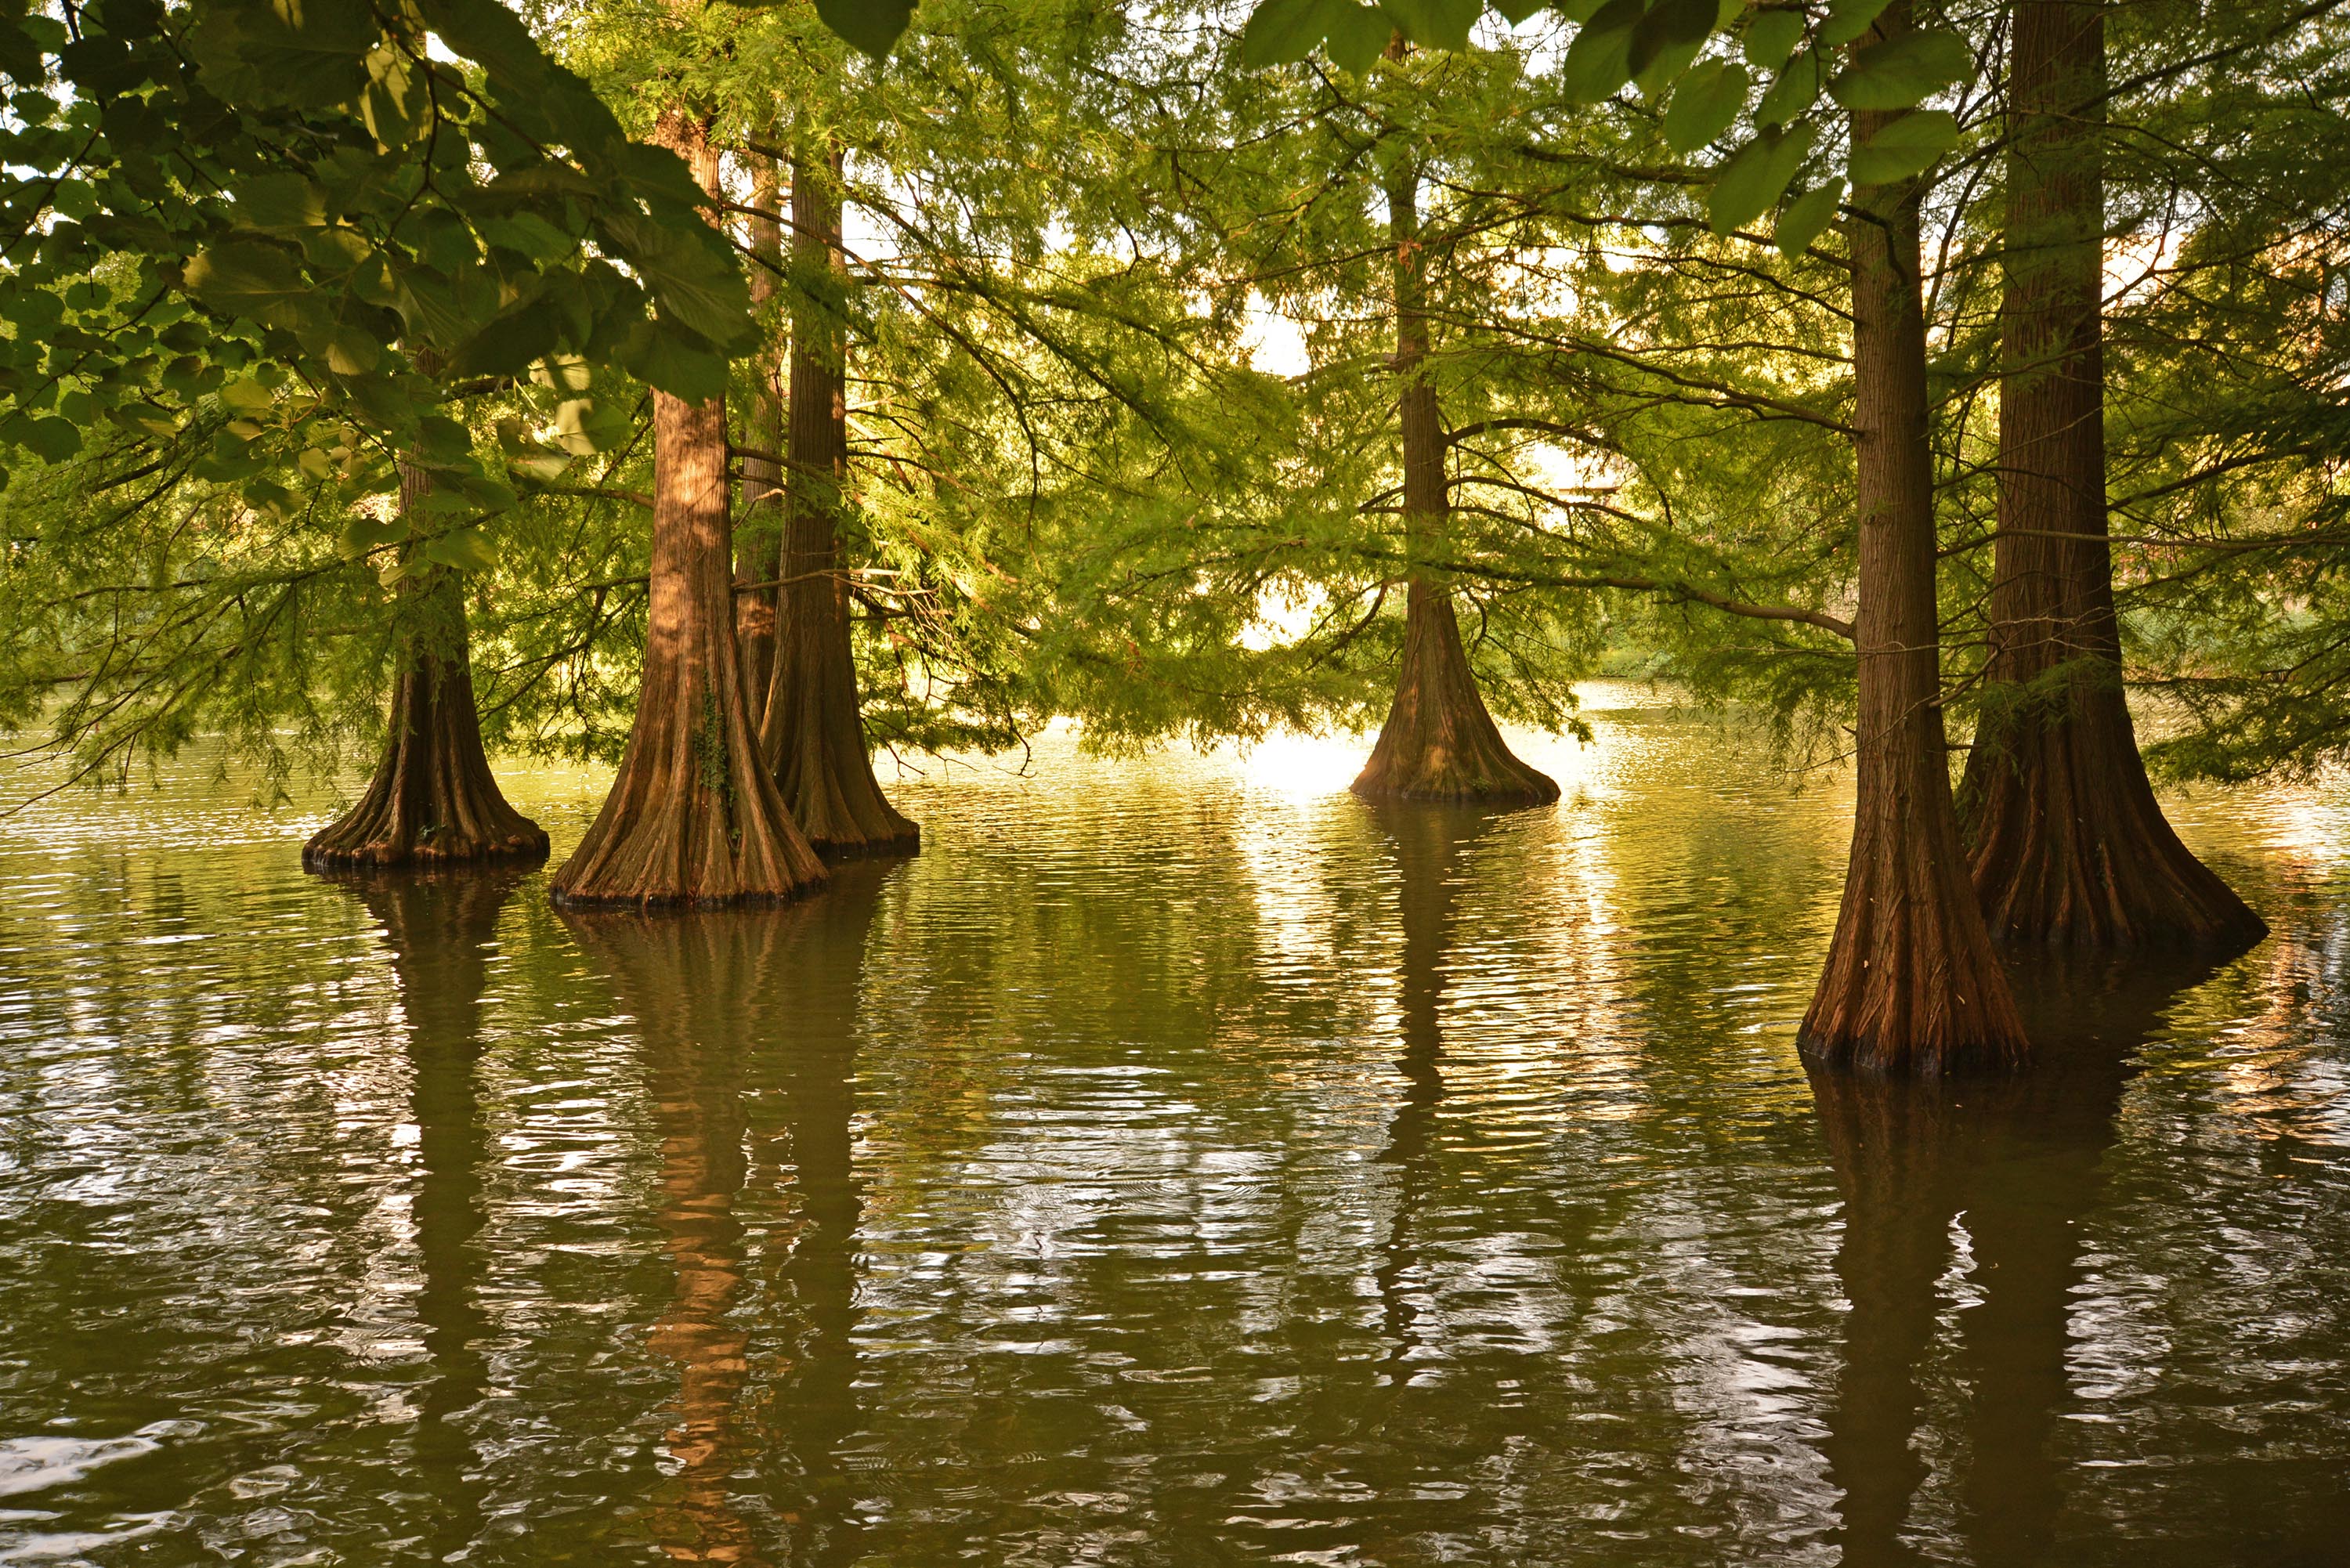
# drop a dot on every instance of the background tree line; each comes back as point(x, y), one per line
point(727, 392)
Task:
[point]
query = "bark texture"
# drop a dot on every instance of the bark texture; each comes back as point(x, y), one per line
point(814, 733)
point(2069, 846)
point(432, 798)
point(693, 817)
point(759, 528)
point(1911, 985)
point(1438, 742)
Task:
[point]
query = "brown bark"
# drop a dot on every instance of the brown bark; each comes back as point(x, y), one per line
point(2069, 845)
point(693, 817)
point(1438, 742)
point(1911, 983)
point(814, 733)
point(759, 528)
point(432, 798)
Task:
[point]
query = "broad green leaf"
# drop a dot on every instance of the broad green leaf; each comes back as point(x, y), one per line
point(1910, 145)
point(1435, 24)
point(361, 533)
point(873, 25)
point(508, 344)
point(20, 57)
point(1903, 72)
point(584, 428)
point(1771, 37)
point(695, 283)
point(1848, 19)
point(246, 278)
point(50, 439)
point(442, 439)
point(1518, 12)
point(246, 397)
point(677, 363)
point(393, 103)
point(304, 53)
point(1357, 37)
point(1797, 88)
point(1805, 217)
point(1753, 179)
point(1670, 25)
point(1707, 99)
point(282, 202)
point(1600, 62)
point(266, 496)
point(464, 550)
point(546, 467)
point(353, 350)
point(561, 372)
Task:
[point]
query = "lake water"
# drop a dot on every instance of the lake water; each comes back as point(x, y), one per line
point(1180, 1162)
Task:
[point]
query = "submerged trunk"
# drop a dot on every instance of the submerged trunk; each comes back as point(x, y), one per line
point(813, 734)
point(2070, 847)
point(1439, 742)
point(693, 818)
point(759, 527)
point(432, 797)
point(1911, 983)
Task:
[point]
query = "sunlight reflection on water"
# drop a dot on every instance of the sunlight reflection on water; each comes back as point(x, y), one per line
point(1180, 1162)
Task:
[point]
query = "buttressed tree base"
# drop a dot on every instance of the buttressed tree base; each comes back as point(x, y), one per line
point(1438, 742)
point(432, 798)
point(694, 817)
point(2069, 846)
point(1911, 983)
point(814, 733)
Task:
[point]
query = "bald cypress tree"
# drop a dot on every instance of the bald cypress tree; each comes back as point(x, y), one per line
point(2069, 846)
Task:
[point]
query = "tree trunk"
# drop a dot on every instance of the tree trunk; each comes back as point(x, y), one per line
point(813, 734)
point(759, 529)
point(1439, 742)
point(2070, 847)
point(432, 798)
point(694, 817)
point(1912, 985)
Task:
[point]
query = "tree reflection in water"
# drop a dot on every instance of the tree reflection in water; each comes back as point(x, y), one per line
point(1431, 843)
point(442, 928)
point(2015, 1163)
point(747, 1019)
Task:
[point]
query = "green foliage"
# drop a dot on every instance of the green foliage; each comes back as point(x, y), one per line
point(1079, 485)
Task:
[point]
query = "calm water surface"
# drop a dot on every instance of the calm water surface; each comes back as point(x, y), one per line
point(1179, 1163)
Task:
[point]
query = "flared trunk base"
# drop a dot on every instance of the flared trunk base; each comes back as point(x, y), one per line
point(433, 800)
point(2071, 849)
point(1439, 742)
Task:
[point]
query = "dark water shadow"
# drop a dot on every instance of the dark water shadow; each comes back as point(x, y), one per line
point(442, 928)
point(1431, 845)
point(2016, 1163)
point(747, 1020)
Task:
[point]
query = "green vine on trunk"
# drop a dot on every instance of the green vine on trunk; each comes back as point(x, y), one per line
point(712, 761)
